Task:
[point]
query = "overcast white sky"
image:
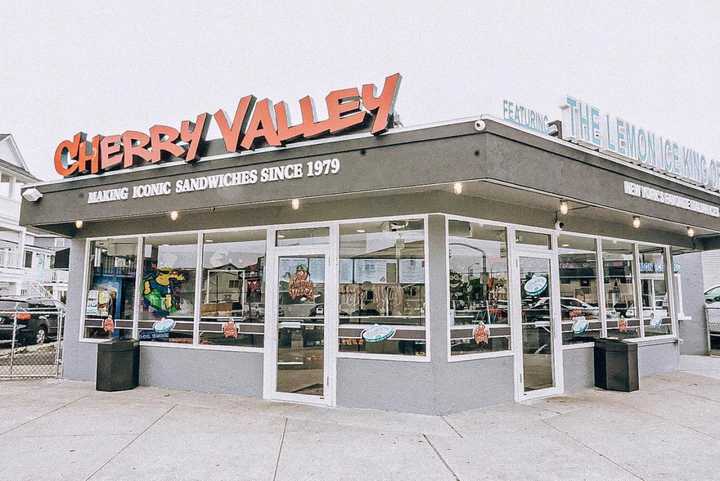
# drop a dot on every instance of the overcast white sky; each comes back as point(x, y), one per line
point(105, 67)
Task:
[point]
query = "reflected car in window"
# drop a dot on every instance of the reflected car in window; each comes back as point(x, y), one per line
point(570, 304)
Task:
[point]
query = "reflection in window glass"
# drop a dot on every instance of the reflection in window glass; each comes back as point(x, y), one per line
point(301, 324)
point(167, 293)
point(653, 288)
point(579, 307)
point(382, 287)
point(111, 288)
point(478, 275)
point(620, 302)
point(532, 239)
point(232, 312)
point(302, 237)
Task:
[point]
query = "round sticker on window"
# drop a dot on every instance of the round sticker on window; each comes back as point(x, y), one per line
point(378, 333)
point(655, 320)
point(164, 325)
point(535, 285)
point(580, 325)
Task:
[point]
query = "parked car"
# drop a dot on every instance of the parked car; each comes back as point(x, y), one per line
point(37, 319)
point(568, 305)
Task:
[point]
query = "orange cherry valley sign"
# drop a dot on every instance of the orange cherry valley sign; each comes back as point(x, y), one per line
point(254, 124)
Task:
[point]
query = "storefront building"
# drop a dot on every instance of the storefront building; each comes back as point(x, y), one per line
point(428, 269)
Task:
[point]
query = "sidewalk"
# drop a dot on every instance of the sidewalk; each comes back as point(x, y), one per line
point(67, 430)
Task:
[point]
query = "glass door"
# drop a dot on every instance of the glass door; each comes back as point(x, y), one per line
point(537, 315)
point(301, 325)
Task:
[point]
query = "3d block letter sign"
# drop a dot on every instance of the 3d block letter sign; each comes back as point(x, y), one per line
point(254, 123)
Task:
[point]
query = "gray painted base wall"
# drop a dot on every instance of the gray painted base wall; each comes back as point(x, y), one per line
point(658, 358)
point(202, 370)
point(393, 386)
point(579, 370)
point(474, 384)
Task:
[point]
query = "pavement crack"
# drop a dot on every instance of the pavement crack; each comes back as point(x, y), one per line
point(130, 442)
point(457, 478)
point(44, 414)
point(451, 426)
point(282, 442)
point(604, 456)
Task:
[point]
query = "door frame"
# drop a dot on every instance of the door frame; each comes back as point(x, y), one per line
point(516, 312)
point(271, 321)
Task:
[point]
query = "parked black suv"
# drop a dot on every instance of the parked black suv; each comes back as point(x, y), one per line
point(37, 319)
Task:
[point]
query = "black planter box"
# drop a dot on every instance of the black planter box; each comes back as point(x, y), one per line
point(616, 365)
point(118, 365)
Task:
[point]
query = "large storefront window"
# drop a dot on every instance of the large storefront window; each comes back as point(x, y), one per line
point(478, 276)
point(232, 311)
point(579, 306)
point(653, 288)
point(167, 293)
point(620, 291)
point(382, 287)
point(110, 288)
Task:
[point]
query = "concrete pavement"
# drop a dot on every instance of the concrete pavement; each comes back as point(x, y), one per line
point(52, 430)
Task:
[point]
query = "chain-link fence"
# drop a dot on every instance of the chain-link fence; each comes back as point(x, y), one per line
point(31, 332)
point(712, 316)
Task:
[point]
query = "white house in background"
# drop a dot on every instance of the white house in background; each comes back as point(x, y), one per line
point(26, 256)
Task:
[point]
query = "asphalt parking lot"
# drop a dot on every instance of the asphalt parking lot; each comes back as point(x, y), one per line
point(52, 430)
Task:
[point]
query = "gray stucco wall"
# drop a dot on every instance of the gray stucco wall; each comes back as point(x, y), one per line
point(473, 384)
point(658, 358)
point(79, 358)
point(390, 385)
point(578, 368)
point(202, 370)
point(692, 331)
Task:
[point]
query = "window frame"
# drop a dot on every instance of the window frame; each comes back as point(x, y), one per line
point(510, 274)
point(334, 248)
point(511, 229)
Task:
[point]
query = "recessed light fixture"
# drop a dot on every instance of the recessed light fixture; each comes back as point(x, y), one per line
point(690, 232)
point(78, 224)
point(295, 203)
point(458, 188)
point(564, 207)
point(280, 236)
point(565, 245)
point(636, 222)
point(174, 215)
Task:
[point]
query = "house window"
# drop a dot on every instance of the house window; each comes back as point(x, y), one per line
point(28, 259)
point(5, 185)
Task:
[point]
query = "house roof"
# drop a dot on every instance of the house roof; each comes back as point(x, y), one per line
point(16, 164)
